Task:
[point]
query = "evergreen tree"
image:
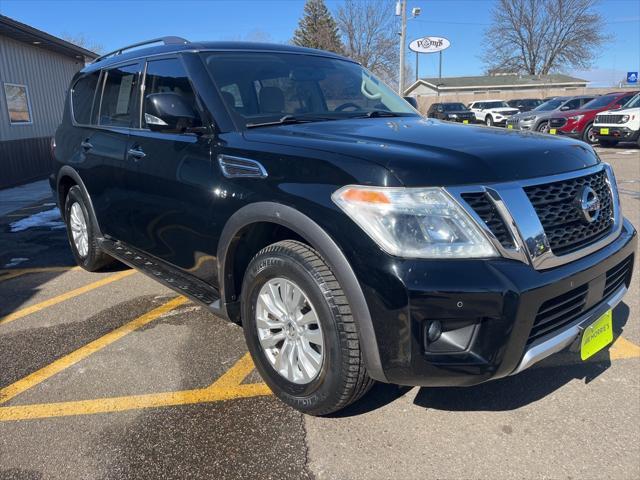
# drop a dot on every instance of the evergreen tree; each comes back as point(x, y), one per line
point(317, 28)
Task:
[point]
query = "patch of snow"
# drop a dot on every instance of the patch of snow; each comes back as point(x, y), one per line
point(15, 261)
point(48, 218)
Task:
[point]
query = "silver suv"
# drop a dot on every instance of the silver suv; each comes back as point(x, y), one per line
point(538, 118)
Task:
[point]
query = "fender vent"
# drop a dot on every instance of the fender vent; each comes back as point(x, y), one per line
point(236, 167)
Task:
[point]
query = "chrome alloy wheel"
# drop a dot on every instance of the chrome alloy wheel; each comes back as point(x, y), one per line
point(79, 229)
point(289, 331)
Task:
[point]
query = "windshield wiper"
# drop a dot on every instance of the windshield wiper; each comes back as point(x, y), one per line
point(289, 119)
point(381, 113)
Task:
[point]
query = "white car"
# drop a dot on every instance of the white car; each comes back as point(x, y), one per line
point(621, 125)
point(492, 112)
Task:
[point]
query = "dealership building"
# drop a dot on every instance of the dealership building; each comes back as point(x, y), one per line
point(498, 86)
point(35, 71)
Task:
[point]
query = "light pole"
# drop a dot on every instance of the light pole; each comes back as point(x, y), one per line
point(401, 11)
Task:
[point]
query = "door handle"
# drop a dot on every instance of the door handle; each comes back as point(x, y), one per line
point(136, 153)
point(86, 145)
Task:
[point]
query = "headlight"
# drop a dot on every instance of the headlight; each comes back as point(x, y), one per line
point(576, 118)
point(624, 119)
point(414, 222)
point(528, 119)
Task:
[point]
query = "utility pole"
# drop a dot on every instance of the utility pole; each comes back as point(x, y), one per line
point(402, 7)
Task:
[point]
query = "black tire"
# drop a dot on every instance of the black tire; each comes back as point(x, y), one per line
point(607, 143)
point(342, 378)
point(589, 135)
point(488, 120)
point(543, 127)
point(95, 259)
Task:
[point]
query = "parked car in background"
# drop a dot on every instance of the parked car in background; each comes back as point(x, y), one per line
point(623, 125)
point(453, 112)
point(525, 104)
point(492, 112)
point(538, 118)
point(579, 123)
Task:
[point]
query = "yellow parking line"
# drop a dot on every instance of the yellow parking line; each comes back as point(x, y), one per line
point(74, 357)
point(65, 296)
point(13, 273)
point(623, 348)
point(227, 387)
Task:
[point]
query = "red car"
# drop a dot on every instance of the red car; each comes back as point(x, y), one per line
point(579, 123)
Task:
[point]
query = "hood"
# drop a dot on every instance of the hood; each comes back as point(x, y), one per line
point(427, 152)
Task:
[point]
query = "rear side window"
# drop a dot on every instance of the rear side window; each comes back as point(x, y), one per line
point(118, 105)
point(169, 76)
point(82, 96)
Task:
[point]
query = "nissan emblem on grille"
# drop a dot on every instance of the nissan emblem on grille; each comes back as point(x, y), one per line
point(589, 203)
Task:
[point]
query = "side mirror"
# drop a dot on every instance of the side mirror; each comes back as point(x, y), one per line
point(616, 107)
point(565, 108)
point(440, 109)
point(169, 112)
point(413, 101)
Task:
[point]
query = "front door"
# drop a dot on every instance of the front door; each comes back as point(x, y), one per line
point(173, 192)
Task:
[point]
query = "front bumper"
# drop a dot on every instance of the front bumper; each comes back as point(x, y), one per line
point(517, 124)
point(487, 310)
point(621, 134)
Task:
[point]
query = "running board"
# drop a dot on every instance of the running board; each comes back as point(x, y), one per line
point(168, 275)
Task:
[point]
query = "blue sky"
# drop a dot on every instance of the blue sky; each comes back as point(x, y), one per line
point(116, 23)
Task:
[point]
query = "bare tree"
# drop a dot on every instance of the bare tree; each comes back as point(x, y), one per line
point(370, 36)
point(82, 41)
point(539, 36)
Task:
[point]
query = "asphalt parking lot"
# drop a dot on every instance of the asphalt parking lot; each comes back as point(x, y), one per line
point(111, 375)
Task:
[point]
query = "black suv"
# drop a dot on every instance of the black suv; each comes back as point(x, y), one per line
point(452, 111)
point(292, 191)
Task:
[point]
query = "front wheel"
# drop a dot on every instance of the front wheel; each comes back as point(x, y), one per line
point(589, 134)
point(543, 127)
point(488, 121)
point(299, 329)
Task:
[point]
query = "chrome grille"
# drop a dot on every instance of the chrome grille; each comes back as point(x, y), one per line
point(560, 215)
point(486, 210)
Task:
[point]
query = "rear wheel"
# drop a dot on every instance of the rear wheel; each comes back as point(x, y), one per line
point(299, 329)
point(488, 121)
point(589, 134)
point(81, 233)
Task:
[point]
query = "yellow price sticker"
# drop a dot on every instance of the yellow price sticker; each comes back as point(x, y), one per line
point(465, 121)
point(604, 131)
point(510, 127)
point(553, 131)
point(597, 336)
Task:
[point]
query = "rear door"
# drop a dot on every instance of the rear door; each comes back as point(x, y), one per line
point(175, 186)
point(114, 114)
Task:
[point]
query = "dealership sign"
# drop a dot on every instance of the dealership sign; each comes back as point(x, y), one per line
point(429, 44)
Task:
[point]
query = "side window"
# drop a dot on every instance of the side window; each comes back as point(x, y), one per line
point(623, 100)
point(573, 104)
point(169, 76)
point(118, 106)
point(82, 95)
point(232, 95)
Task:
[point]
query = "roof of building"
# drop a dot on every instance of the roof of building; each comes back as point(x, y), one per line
point(497, 81)
point(27, 34)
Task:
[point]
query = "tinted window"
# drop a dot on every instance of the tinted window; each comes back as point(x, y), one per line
point(625, 99)
point(82, 97)
point(548, 105)
point(169, 76)
point(118, 106)
point(599, 102)
point(315, 88)
point(452, 107)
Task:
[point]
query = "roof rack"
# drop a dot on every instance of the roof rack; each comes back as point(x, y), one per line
point(164, 40)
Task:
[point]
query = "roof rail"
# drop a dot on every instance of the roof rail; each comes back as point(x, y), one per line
point(164, 40)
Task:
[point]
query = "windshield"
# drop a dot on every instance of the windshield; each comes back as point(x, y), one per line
point(633, 103)
point(548, 106)
point(263, 87)
point(453, 107)
point(495, 105)
point(599, 102)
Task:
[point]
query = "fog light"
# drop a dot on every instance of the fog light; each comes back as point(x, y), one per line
point(434, 331)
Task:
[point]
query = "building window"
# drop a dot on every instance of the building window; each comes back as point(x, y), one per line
point(18, 105)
